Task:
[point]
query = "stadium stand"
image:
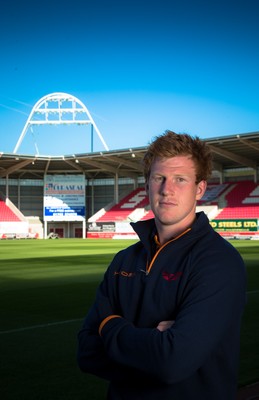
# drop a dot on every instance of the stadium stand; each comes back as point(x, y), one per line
point(126, 207)
point(6, 214)
point(213, 193)
point(135, 206)
point(13, 224)
point(233, 191)
point(230, 202)
point(148, 215)
point(242, 201)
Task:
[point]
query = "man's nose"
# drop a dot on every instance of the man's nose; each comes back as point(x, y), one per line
point(168, 187)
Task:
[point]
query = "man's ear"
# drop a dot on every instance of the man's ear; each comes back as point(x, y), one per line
point(201, 189)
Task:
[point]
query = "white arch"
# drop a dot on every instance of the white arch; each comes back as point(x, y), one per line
point(72, 112)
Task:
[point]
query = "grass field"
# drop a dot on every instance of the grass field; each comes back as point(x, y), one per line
point(46, 287)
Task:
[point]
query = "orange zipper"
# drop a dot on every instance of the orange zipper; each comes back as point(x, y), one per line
point(148, 267)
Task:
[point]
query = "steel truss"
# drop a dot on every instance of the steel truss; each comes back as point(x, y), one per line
point(59, 109)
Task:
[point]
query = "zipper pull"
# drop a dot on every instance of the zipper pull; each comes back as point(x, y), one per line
point(144, 271)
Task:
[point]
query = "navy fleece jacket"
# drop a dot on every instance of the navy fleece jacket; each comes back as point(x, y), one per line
point(197, 280)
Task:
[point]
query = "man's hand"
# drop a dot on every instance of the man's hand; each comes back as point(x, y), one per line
point(164, 325)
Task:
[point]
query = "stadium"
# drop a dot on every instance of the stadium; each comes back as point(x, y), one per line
point(47, 286)
point(98, 194)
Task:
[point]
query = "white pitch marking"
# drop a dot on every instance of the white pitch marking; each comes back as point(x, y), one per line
point(27, 328)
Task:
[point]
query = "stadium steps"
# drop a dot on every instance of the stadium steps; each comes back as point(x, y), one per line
point(241, 198)
point(125, 210)
point(242, 202)
point(6, 214)
point(209, 202)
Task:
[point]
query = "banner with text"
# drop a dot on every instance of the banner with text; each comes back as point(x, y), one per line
point(64, 197)
point(235, 225)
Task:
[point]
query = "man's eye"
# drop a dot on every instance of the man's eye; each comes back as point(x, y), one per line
point(158, 179)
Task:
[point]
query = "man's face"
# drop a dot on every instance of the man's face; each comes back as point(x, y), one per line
point(173, 192)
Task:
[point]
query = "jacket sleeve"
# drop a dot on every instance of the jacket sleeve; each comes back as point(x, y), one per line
point(212, 305)
point(92, 357)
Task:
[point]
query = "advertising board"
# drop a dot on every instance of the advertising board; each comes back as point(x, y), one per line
point(64, 198)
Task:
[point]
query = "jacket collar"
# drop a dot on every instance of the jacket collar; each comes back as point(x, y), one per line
point(146, 230)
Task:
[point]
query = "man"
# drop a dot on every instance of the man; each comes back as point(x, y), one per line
point(166, 320)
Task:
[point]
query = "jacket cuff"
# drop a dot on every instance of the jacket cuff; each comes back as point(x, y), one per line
point(104, 322)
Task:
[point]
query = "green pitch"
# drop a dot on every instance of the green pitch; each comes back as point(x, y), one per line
point(46, 288)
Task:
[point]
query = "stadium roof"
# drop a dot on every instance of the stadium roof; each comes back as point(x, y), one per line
point(229, 152)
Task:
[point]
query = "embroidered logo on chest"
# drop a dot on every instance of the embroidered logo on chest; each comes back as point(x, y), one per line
point(124, 273)
point(171, 277)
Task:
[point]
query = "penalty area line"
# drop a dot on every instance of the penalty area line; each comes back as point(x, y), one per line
point(27, 328)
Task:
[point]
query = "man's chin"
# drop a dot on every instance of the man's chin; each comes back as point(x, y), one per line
point(165, 221)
